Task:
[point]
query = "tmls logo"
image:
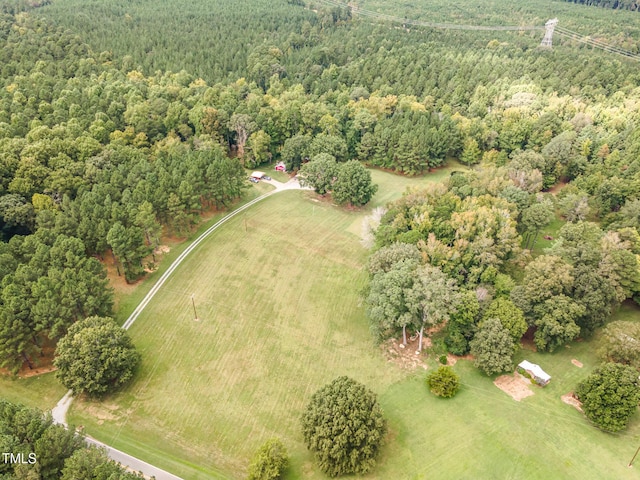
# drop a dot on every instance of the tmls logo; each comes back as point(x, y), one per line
point(13, 458)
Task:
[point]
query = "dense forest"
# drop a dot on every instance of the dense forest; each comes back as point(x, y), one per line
point(105, 145)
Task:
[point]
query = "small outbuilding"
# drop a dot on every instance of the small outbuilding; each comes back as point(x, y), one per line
point(281, 167)
point(257, 175)
point(532, 371)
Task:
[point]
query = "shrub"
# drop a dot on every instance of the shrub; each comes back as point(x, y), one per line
point(344, 427)
point(444, 382)
point(269, 462)
point(443, 359)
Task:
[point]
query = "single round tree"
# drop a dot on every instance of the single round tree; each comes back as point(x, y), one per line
point(610, 395)
point(444, 382)
point(344, 427)
point(95, 357)
point(269, 462)
point(353, 184)
point(319, 173)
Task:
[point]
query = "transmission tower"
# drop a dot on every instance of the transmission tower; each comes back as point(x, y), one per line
point(548, 33)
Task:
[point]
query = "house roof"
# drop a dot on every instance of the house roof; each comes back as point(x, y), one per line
point(535, 369)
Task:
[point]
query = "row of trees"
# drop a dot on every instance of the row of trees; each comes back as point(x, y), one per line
point(48, 283)
point(614, 4)
point(79, 182)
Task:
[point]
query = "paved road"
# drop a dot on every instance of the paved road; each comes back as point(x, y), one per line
point(133, 463)
point(59, 412)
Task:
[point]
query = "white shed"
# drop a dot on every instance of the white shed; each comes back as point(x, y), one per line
point(537, 374)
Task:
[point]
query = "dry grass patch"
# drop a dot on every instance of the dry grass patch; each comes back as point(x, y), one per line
point(514, 385)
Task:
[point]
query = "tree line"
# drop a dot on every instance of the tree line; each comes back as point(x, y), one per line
point(43, 450)
point(613, 4)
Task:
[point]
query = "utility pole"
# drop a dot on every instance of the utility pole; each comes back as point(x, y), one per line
point(548, 33)
point(634, 457)
point(193, 302)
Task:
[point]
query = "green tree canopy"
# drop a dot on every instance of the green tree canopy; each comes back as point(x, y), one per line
point(493, 347)
point(444, 382)
point(621, 343)
point(388, 306)
point(344, 427)
point(353, 185)
point(461, 326)
point(28, 431)
point(95, 357)
point(610, 395)
point(319, 173)
point(509, 315)
point(92, 463)
point(557, 322)
point(385, 258)
point(269, 462)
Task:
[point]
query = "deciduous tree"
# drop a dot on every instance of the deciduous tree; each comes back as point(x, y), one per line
point(269, 462)
point(610, 395)
point(492, 347)
point(95, 357)
point(353, 184)
point(343, 427)
point(444, 382)
point(388, 308)
point(432, 298)
point(621, 343)
point(509, 315)
point(319, 173)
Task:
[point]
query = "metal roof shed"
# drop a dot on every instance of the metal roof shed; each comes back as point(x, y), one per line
point(538, 375)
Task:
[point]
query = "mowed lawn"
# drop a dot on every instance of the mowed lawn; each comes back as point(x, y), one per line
point(277, 294)
point(41, 391)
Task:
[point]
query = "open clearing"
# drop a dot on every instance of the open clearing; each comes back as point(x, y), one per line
point(277, 294)
point(514, 385)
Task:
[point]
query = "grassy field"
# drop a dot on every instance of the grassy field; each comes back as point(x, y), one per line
point(128, 298)
point(552, 230)
point(279, 316)
point(42, 391)
point(277, 296)
point(391, 186)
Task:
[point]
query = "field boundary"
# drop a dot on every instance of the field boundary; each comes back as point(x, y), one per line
point(176, 263)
